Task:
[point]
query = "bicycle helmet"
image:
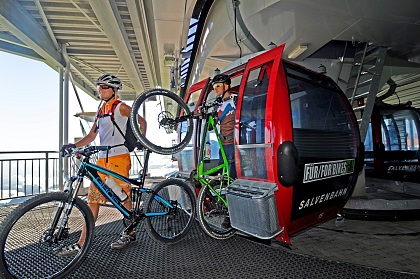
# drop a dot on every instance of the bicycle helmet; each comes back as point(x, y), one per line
point(110, 80)
point(221, 78)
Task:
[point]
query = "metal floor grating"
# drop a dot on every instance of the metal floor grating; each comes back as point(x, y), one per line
point(198, 256)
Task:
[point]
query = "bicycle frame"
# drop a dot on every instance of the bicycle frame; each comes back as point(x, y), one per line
point(62, 220)
point(90, 170)
point(202, 175)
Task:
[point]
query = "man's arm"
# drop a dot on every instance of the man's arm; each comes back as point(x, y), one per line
point(143, 124)
point(88, 138)
point(126, 110)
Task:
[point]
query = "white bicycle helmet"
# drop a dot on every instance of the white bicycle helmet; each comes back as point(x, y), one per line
point(110, 80)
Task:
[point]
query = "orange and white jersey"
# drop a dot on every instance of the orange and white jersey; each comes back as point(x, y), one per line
point(108, 133)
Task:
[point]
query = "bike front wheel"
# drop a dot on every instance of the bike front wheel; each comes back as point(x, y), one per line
point(170, 211)
point(28, 239)
point(212, 213)
point(169, 130)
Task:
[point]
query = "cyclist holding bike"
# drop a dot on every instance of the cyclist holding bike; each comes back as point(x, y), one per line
point(116, 159)
point(226, 117)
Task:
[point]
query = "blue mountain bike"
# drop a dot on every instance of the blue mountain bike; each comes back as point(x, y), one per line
point(30, 233)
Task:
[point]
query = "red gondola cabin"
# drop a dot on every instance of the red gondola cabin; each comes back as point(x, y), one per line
point(297, 146)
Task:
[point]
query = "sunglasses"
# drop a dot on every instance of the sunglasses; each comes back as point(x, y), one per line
point(217, 85)
point(103, 86)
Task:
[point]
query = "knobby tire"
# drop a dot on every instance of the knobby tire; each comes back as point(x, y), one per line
point(162, 109)
point(23, 251)
point(173, 226)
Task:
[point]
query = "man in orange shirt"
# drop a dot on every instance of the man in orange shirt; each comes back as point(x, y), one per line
point(118, 156)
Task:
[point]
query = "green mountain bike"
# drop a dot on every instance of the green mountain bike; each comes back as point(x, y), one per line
point(175, 120)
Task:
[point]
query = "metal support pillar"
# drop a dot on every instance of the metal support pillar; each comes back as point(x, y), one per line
point(64, 119)
point(66, 113)
point(60, 127)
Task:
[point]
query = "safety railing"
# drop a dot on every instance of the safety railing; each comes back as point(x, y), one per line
point(27, 173)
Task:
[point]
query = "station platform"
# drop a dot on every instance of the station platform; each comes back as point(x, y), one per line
point(347, 249)
point(357, 249)
point(383, 203)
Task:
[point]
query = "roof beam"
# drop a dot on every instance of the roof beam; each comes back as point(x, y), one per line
point(19, 50)
point(92, 52)
point(110, 20)
point(11, 39)
point(82, 73)
point(84, 86)
point(139, 19)
point(46, 23)
point(21, 24)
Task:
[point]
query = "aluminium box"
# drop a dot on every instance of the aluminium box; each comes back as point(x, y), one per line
point(252, 208)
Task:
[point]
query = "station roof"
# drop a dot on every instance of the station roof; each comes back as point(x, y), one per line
point(128, 38)
point(138, 40)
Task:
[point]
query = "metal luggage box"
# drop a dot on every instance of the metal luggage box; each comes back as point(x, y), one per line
point(252, 208)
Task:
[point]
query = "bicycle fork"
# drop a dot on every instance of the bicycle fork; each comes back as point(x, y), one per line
point(63, 210)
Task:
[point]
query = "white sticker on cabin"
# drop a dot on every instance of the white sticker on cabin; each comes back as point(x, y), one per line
point(324, 170)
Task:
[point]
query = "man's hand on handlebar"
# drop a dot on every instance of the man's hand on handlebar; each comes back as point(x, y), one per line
point(66, 149)
point(206, 107)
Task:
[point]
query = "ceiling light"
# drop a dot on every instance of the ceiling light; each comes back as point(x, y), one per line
point(297, 51)
point(169, 60)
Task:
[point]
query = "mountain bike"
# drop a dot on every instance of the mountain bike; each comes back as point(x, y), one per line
point(173, 116)
point(31, 232)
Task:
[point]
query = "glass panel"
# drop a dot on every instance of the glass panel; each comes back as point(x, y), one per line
point(253, 108)
point(400, 130)
point(211, 136)
point(212, 139)
point(322, 126)
point(249, 167)
point(192, 100)
point(186, 156)
point(252, 123)
point(235, 84)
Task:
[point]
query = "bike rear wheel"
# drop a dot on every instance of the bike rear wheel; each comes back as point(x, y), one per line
point(166, 224)
point(25, 241)
point(162, 108)
point(212, 213)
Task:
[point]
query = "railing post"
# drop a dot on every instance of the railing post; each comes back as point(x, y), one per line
point(46, 172)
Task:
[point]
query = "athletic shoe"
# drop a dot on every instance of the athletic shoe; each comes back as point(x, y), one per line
point(124, 240)
point(69, 251)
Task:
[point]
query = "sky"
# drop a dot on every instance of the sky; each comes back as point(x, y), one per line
point(29, 114)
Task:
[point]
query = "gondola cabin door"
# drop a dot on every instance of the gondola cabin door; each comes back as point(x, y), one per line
point(187, 158)
point(253, 200)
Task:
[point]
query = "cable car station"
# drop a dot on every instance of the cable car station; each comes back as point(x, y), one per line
point(325, 136)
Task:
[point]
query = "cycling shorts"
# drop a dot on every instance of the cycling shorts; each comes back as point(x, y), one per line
point(120, 164)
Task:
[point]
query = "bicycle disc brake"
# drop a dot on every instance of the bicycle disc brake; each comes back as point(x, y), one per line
point(166, 120)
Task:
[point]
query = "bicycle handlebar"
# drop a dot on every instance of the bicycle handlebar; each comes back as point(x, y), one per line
point(213, 104)
point(201, 112)
point(204, 109)
point(85, 151)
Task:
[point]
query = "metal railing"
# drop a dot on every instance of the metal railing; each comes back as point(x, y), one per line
point(28, 173)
